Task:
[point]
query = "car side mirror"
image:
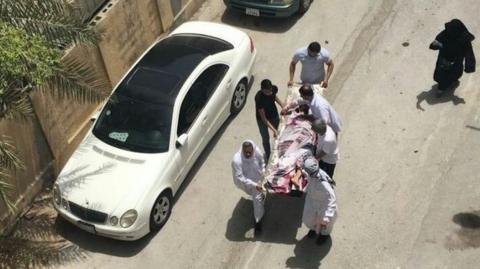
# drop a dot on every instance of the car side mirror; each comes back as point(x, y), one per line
point(181, 140)
point(94, 116)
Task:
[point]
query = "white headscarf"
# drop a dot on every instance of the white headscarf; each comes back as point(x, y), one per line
point(256, 151)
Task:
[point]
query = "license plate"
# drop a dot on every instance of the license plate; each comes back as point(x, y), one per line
point(252, 11)
point(87, 227)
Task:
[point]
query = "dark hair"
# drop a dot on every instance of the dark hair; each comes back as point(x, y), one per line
point(306, 90)
point(314, 47)
point(266, 84)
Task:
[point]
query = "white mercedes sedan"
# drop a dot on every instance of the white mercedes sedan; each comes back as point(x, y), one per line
point(120, 181)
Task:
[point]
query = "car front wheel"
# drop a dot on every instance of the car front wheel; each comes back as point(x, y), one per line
point(161, 211)
point(304, 6)
point(239, 97)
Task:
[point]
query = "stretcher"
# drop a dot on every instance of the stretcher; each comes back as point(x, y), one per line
point(294, 142)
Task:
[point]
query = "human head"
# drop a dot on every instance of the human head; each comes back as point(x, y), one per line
point(266, 87)
point(314, 49)
point(303, 108)
point(319, 126)
point(310, 166)
point(247, 149)
point(306, 92)
point(455, 27)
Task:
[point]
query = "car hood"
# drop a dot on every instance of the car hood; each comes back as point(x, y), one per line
point(104, 178)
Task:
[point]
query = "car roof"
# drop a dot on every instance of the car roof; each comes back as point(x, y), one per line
point(160, 74)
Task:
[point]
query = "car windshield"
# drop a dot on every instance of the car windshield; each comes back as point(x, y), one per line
point(135, 125)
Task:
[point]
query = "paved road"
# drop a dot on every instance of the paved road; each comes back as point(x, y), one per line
point(408, 175)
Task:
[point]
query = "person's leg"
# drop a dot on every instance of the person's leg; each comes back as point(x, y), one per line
point(262, 127)
point(258, 199)
point(327, 167)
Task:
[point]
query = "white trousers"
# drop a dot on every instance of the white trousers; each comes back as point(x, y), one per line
point(258, 199)
point(312, 217)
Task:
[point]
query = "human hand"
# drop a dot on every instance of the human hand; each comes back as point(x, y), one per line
point(259, 187)
point(290, 83)
point(324, 84)
point(323, 224)
point(275, 133)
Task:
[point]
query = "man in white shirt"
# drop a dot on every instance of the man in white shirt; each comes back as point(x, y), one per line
point(327, 149)
point(319, 107)
point(313, 59)
point(248, 168)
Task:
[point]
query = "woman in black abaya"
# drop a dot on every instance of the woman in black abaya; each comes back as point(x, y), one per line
point(454, 45)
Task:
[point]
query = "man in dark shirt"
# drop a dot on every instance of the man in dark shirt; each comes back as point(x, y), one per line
point(267, 113)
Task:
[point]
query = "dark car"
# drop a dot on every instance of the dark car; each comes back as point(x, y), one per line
point(269, 8)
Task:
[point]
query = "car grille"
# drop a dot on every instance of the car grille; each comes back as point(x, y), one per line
point(87, 214)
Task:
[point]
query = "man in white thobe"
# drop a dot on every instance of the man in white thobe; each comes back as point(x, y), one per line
point(248, 168)
point(320, 210)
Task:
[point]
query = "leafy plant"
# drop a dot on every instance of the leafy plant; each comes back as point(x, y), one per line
point(33, 35)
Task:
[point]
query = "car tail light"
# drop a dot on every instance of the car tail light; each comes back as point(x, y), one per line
point(252, 46)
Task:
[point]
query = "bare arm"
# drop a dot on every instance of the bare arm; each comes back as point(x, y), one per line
point(292, 72)
point(330, 67)
point(264, 119)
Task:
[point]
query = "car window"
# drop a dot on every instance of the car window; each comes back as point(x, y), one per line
point(199, 94)
point(135, 125)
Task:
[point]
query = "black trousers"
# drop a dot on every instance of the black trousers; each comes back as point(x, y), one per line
point(263, 128)
point(327, 167)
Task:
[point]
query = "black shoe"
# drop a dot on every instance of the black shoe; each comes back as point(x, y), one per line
point(311, 234)
point(321, 239)
point(258, 228)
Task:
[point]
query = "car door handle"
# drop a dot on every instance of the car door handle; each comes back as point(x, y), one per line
point(204, 121)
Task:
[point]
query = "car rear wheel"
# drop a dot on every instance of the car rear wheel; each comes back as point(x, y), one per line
point(304, 6)
point(161, 211)
point(239, 97)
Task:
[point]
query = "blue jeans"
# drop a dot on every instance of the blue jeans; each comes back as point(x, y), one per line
point(263, 128)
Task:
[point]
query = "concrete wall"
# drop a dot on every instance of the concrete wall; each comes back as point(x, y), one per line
point(33, 149)
point(128, 27)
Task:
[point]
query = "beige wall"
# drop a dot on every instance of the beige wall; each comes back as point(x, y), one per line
point(128, 27)
point(34, 151)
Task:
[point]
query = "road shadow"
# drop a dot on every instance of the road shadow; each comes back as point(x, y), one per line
point(429, 96)
point(473, 127)
point(99, 244)
point(468, 236)
point(308, 254)
point(283, 217)
point(270, 25)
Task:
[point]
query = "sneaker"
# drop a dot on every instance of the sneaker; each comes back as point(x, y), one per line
point(321, 239)
point(311, 234)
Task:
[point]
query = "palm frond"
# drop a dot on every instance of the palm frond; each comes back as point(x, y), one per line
point(8, 155)
point(59, 21)
point(15, 104)
point(76, 81)
point(4, 189)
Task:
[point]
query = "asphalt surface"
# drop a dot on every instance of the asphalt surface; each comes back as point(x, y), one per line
point(407, 180)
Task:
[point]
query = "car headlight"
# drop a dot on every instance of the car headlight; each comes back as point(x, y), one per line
point(57, 198)
point(113, 220)
point(128, 218)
